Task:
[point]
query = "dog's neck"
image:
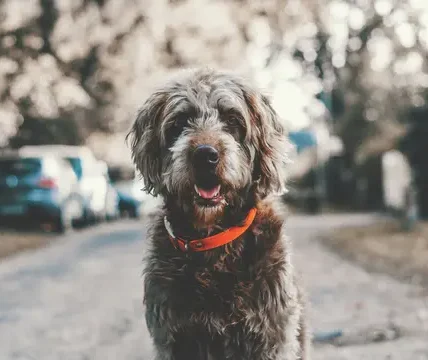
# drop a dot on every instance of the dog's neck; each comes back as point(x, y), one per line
point(184, 227)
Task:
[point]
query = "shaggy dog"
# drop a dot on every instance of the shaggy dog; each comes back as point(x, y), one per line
point(219, 281)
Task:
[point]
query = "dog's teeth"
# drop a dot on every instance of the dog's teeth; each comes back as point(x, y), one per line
point(197, 190)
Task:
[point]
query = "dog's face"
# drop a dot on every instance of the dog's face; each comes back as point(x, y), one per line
point(208, 141)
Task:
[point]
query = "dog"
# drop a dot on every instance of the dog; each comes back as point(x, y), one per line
point(219, 282)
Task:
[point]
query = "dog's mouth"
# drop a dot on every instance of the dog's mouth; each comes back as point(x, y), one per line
point(208, 195)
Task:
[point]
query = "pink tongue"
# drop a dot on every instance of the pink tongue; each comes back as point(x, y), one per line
point(208, 194)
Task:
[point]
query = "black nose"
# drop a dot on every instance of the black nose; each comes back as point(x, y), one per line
point(205, 156)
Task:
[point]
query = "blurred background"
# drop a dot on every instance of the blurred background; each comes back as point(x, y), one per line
point(349, 78)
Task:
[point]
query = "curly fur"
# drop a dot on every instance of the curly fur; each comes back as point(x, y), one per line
point(239, 301)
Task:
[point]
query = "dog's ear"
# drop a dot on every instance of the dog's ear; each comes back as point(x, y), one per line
point(145, 142)
point(272, 145)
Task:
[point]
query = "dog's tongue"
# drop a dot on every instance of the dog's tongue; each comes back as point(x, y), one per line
point(208, 194)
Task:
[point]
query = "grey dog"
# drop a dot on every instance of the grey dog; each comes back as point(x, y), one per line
point(219, 282)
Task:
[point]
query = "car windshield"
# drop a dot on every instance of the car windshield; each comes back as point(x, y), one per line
point(76, 164)
point(19, 167)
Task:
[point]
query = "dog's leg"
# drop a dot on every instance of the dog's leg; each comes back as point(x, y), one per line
point(296, 345)
point(171, 344)
point(304, 340)
point(163, 354)
point(304, 337)
point(185, 347)
point(162, 340)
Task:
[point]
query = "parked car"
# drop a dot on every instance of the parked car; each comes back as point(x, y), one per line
point(40, 189)
point(131, 198)
point(405, 171)
point(93, 184)
point(314, 146)
point(129, 205)
point(399, 188)
point(134, 201)
point(305, 174)
point(111, 206)
point(414, 147)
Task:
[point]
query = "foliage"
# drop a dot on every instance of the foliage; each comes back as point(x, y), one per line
point(69, 68)
point(86, 65)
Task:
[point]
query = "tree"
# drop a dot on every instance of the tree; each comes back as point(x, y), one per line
point(370, 56)
point(77, 62)
point(71, 68)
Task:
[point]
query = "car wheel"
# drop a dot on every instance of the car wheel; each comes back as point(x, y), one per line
point(79, 218)
point(113, 212)
point(313, 204)
point(134, 213)
point(112, 216)
point(71, 211)
point(411, 210)
point(123, 213)
point(64, 223)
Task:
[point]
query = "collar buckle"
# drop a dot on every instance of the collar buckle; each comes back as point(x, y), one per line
point(174, 239)
point(174, 242)
point(186, 246)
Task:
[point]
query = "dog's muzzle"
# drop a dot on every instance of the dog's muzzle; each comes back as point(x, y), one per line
point(205, 160)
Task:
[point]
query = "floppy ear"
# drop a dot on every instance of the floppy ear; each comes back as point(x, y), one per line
point(272, 146)
point(145, 142)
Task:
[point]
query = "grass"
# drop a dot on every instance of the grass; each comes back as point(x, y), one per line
point(12, 242)
point(384, 247)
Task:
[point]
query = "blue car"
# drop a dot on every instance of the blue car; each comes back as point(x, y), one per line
point(38, 190)
point(306, 181)
point(93, 184)
point(131, 198)
point(129, 206)
point(302, 140)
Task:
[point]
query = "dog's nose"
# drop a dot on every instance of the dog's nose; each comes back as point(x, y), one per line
point(205, 156)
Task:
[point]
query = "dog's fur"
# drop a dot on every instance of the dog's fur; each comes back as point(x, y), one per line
point(241, 300)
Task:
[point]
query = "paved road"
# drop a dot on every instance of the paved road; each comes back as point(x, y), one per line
point(81, 298)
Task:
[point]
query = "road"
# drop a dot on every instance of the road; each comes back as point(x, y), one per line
point(80, 298)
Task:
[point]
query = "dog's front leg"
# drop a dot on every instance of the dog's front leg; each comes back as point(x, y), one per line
point(181, 347)
point(162, 340)
point(170, 340)
point(175, 351)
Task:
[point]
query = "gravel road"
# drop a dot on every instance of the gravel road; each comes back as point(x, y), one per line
point(80, 298)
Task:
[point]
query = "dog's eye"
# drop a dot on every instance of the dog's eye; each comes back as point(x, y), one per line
point(233, 123)
point(181, 121)
point(232, 120)
point(176, 127)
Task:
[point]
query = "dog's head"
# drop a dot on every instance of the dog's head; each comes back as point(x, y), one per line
point(209, 141)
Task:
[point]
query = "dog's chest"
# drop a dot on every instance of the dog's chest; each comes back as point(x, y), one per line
point(192, 290)
point(214, 291)
point(216, 304)
point(238, 289)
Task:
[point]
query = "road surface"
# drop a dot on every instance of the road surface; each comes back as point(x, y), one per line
point(80, 298)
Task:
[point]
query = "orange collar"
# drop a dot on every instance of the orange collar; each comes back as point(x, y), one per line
point(211, 242)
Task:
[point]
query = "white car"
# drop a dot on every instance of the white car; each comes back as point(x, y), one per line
point(399, 191)
point(134, 189)
point(111, 203)
point(91, 173)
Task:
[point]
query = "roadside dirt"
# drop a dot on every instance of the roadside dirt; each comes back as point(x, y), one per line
point(384, 247)
point(12, 242)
